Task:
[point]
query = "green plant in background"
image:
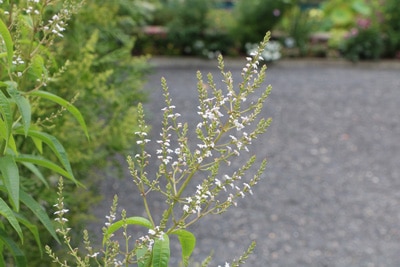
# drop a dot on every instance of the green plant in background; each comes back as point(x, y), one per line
point(105, 83)
point(391, 27)
point(187, 29)
point(341, 15)
point(363, 42)
point(28, 151)
point(254, 17)
point(299, 24)
point(188, 175)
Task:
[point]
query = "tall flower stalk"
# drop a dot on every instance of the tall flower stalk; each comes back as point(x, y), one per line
point(188, 175)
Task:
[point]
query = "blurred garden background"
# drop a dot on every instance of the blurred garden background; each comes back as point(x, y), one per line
point(108, 44)
point(353, 29)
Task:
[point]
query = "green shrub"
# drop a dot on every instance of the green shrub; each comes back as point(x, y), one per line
point(363, 42)
point(187, 29)
point(255, 17)
point(392, 27)
point(103, 81)
point(29, 152)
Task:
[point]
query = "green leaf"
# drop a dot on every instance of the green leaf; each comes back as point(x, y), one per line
point(39, 212)
point(62, 102)
point(36, 172)
point(143, 256)
point(38, 144)
point(53, 143)
point(40, 161)
point(161, 252)
point(6, 114)
point(9, 215)
point(7, 41)
point(128, 221)
point(32, 228)
point(10, 174)
point(188, 243)
point(17, 253)
point(23, 106)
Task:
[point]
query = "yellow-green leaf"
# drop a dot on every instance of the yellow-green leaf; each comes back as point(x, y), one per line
point(161, 252)
point(7, 41)
point(128, 221)
point(188, 243)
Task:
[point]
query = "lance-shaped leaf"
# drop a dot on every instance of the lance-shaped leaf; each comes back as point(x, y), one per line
point(40, 213)
point(10, 174)
point(188, 243)
point(7, 41)
point(17, 253)
point(161, 252)
point(64, 103)
point(6, 211)
point(32, 228)
point(23, 105)
point(6, 116)
point(54, 145)
point(128, 221)
point(40, 161)
point(36, 172)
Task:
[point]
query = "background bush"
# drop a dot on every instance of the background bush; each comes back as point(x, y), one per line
point(105, 82)
point(255, 17)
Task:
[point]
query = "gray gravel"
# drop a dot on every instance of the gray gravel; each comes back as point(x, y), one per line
point(331, 193)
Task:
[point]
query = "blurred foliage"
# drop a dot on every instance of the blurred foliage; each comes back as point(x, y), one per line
point(364, 43)
point(254, 18)
point(187, 28)
point(391, 27)
point(105, 82)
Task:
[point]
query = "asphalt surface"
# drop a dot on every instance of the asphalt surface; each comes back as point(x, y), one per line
point(331, 193)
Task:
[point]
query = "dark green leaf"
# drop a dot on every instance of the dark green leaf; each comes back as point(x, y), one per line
point(10, 174)
point(9, 215)
point(32, 228)
point(17, 253)
point(23, 106)
point(40, 213)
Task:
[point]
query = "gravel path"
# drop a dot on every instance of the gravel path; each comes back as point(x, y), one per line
point(331, 193)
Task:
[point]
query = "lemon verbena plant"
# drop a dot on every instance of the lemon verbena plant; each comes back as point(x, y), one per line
point(29, 29)
point(188, 175)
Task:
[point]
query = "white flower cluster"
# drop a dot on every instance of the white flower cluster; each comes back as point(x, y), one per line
point(153, 234)
point(56, 25)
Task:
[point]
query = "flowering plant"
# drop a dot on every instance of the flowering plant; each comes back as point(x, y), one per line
point(28, 31)
point(228, 125)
